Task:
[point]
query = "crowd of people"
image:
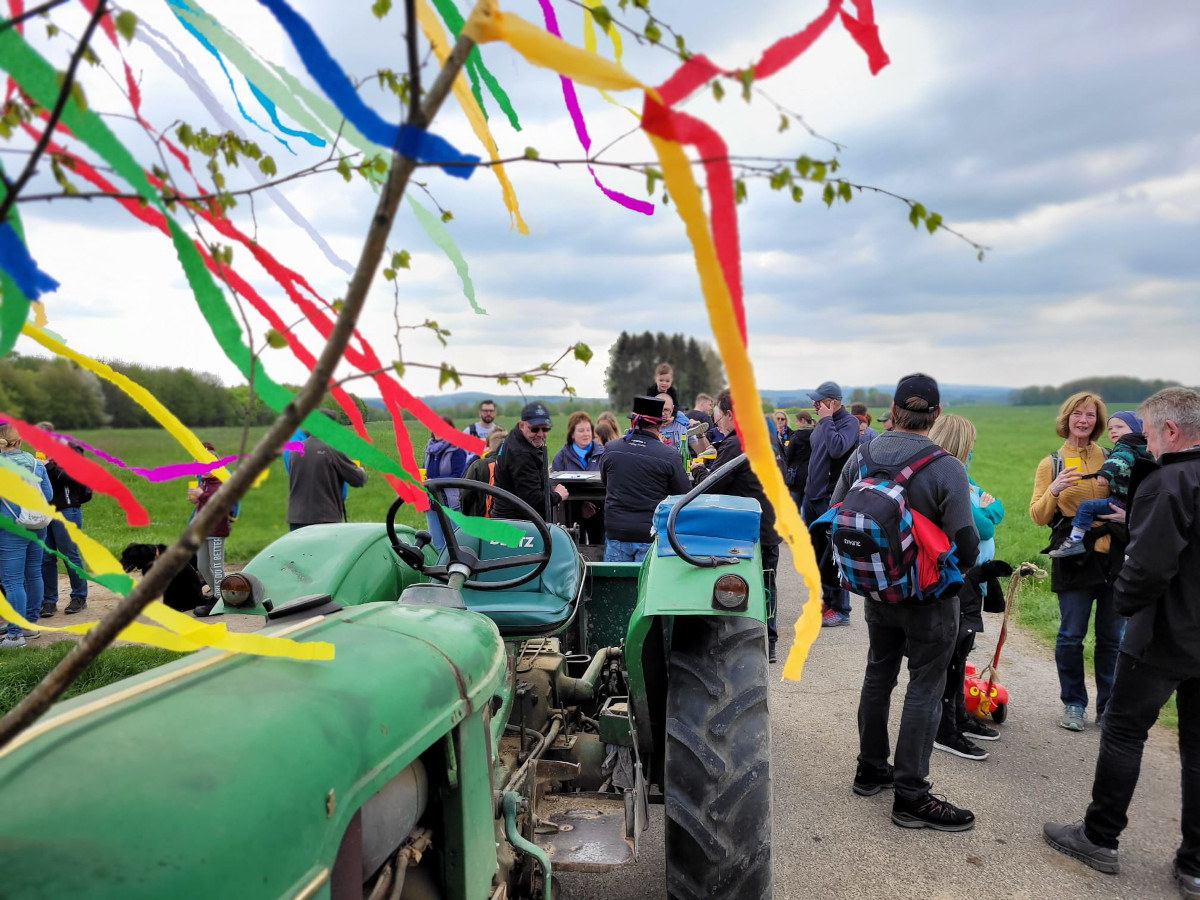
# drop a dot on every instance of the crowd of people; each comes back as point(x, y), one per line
point(896, 520)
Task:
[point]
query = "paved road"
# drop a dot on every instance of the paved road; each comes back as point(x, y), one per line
point(830, 843)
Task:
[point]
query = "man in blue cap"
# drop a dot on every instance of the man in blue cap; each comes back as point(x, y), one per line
point(832, 442)
point(521, 468)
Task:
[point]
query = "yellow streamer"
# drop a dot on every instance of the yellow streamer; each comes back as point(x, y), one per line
point(432, 26)
point(39, 313)
point(217, 636)
point(135, 632)
point(137, 393)
point(589, 44)
point(677, 175)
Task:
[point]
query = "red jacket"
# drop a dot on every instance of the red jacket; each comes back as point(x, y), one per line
point(209, 484)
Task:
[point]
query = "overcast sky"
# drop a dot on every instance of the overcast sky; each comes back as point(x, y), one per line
point(1065, 136)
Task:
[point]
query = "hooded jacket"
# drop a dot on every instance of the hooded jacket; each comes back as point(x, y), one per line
point(68, 492)
point(833, 440)
point(444, 460)
point(567, 460)
point(1159, 585)
point(9, 509)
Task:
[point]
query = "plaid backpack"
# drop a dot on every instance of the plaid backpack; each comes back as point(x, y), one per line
point(872, 530)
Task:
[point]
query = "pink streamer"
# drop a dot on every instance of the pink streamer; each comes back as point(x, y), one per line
point(572, 101)
point(167, 472)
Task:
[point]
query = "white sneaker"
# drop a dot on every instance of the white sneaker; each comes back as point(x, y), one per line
point(12, 642)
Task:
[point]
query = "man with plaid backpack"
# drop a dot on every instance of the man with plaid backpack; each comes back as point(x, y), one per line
point(901, 529)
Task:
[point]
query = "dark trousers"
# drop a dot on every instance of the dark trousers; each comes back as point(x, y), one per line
point(770, 562)
point(1075, 608)
point(1139, 693)
point(926, 635)
point(832, 594)
point(954, 703)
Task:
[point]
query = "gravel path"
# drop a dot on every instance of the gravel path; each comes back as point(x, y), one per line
point(829, 843)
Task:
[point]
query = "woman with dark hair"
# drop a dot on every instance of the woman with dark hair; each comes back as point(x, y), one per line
point(1082, 581)
point(605, 433)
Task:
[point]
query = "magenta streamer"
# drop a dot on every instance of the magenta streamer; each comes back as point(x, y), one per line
point(173, 470)
point(572, 101)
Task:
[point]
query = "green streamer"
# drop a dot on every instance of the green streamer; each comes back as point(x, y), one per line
point(439, 235)
point(475, 67)
point(114, 581)
point(486, 529)
point(39, 80)
point(14, 305)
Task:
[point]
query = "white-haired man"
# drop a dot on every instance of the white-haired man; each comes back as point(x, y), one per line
point(1159, 589)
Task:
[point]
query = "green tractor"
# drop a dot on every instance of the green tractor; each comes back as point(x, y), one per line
point(494, 716)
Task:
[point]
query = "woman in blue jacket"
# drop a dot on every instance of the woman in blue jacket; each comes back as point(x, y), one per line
point(582, 453)
point(21, 558)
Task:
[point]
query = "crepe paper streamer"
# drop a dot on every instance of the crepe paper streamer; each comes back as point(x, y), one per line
point(572, 102)
point(474, 65)
point(178, 8)
point(677, 175)
point(82, 470)
point(589, 44)
point(333, 81)
point(219, 637)
point(119, 584)
point(156, 474)
point(37, 78)
point(269, 106)
point(293, 447)
point(135, 391)
point(39, 313)
point(136, 631)
point(432, 27)
point(184, 69)
point(436, 229)
point(20, 266)
point(14, 304)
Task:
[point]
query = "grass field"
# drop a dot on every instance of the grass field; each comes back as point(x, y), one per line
point(1011, 441)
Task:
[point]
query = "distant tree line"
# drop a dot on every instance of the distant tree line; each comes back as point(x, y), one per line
point(56, 390)
point(1115, 389)
point(633, 357)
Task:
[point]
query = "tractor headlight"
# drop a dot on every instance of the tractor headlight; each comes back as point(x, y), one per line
point(240, 589)
point(731, 593)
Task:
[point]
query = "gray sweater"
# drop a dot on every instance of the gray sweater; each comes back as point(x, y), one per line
point(939, 491)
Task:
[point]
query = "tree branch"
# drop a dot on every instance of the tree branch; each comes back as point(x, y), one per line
point(12, 190)
point(181, 551)
point(30, 13)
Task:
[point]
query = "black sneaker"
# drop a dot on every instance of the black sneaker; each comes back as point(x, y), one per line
point(977, 731)
point(869, 782)
point(931, 811)
point(961, 746)
point(76, 606)
point(771, 657)
point(1073, 841)
point(48, 609)
point(1189, 885)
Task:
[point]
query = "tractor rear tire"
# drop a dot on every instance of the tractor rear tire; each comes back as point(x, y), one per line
point(718, 757)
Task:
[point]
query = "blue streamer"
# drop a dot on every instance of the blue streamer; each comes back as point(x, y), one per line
point(269, 105)
point(207, 45)
point(408, 139)
point(20, 266)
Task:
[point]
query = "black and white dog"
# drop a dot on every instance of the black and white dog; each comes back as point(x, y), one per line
point(184, 591)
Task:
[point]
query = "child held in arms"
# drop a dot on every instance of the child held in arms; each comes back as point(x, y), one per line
point(1129, 445)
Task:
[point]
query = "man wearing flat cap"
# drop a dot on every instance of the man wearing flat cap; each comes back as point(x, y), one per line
point(638, 471)
point(521, 468)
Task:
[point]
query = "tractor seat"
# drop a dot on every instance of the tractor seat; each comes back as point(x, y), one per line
point(542, 605)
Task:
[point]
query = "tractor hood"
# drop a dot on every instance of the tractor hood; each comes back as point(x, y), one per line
point(236, 778)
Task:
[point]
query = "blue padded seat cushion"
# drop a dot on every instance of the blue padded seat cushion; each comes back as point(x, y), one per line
point(711, 525)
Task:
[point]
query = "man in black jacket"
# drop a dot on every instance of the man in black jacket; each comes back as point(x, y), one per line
point(521, 468)
point(1159, 589)
point(796, 456)
point(638, 471)
point(744, 483)
point(69, 495)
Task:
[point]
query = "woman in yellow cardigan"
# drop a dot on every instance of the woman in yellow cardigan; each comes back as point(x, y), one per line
point(1084, 580)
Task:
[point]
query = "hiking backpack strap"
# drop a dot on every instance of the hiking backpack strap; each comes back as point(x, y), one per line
point(905, 473)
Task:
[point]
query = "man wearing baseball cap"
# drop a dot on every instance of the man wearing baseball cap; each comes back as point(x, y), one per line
point(833, 440)
point(924, 631)
point(521, 468)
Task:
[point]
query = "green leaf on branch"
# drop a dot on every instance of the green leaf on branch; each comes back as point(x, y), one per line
point(915, 214)
point(652, 31)
point(784, 123)
point(818, 171)
point(389, 274)
point(602, 16)
point(797, 193)
point(803, 166)
point(845, 191)
point(531, 153)
point(447, 215)
point(830, 194)
point(401, 260)
point(381, 8)
point(448, 373)
point(399, 369)
point(343, 168)
point(266, 165)
point(337, 304)
point(276, 340)
point(739, 191)
point(126, 23)
point(653, 176)
point(583, 353)
point(746, 77)
point(528, 379)
point(932, 221)
point(718, 91)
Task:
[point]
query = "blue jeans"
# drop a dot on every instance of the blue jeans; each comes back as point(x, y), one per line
point(1075, 608)
point(58, 539)
point(21, 576)
point(833, 596)
point(624, 551)
point(1089, 509)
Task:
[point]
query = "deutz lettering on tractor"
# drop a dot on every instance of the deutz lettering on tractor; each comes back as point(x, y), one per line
point(494, 716)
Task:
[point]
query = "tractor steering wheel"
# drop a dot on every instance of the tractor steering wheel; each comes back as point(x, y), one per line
point(465, 556)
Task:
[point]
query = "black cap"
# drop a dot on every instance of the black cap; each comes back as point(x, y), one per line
point(535, 413)
point(917, 387)
point(651, 407)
